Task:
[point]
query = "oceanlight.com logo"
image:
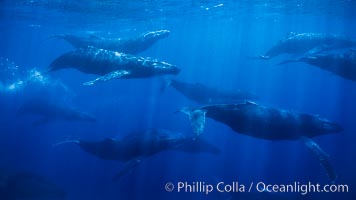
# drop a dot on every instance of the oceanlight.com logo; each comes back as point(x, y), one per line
point(235, 187)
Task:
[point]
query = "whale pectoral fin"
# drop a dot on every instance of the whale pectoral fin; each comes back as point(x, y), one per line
point(127, 168)
point(317, 49)
point(322, 157)
point(109, 76)
point(197, 119)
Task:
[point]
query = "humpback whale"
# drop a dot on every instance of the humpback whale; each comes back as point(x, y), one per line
point(135, 147)
point(207, 95)
point(267, 123)
point(125, 45)
point(111, 64)
point(52, 111)
point(301, 43)
point(27, 185)
point(341, 63)
point(263, 122)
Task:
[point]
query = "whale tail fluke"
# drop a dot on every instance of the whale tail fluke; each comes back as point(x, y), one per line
point(196, 117)
point(322, 156)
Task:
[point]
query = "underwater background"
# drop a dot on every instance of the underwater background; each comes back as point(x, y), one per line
point(212, 42)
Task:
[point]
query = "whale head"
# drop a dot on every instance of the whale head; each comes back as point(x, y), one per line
point(331, 127)
point(162, 68)
point(321, 126)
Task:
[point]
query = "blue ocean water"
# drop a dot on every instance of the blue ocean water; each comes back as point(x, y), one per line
point(212, 42)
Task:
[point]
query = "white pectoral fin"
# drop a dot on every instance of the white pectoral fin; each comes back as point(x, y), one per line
point(322, 157)
point(127, 168)
point(197, 119)
point(109, 76)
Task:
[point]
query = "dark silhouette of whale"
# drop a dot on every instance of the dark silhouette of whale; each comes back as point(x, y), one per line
point(27, 185)
point(111, 64)
point(208, 95)
point(135, 147)
point(341, 63)
point(300, 43)
point(125, 45)
point(52, 111)
point(268, 123)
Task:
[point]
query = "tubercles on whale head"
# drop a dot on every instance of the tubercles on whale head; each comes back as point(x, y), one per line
point(165, 68)
point(156, 34)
